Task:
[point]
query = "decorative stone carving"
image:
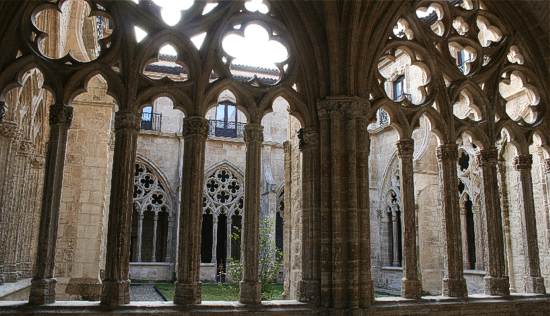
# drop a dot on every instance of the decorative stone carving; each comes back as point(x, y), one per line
point(9, 129)
point(127, 120)
point(195, 126)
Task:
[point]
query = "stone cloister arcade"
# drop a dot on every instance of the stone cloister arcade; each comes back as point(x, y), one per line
point(473, 74)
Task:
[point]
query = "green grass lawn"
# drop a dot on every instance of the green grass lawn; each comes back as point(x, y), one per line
point(221, 291)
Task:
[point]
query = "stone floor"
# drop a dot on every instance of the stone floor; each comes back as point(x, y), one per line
point(144, 292)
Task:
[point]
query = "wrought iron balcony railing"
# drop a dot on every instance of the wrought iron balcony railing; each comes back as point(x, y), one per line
point(151, 121)
point(226, 129)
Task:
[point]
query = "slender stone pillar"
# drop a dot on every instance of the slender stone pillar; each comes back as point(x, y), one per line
point(534, 283)
point(366, 291)
point(155, 225)
point(250, 285)
point(505, 207)
point(310, 284)
point(396, 261)
point(454, 284)
point(43, 282)
point(116, 282)
point(325, 205)
point(412, 285)
point(496, 280)
point(188, 290)
point(229, 239)
point(214, 240)
point(170, 243)
point(139, 237)
point(464, 229)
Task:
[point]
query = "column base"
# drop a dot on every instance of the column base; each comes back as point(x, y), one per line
point(187, 293)
point(88, 289)
point(250, 292)
point(115, 293)
point(411, 289)
point(455, 288)
point(497, 286)
point(309, 291)
point(42, 292)
point(534, 285)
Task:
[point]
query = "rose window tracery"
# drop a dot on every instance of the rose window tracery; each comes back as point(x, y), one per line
point(149, 193)
point(223, 193)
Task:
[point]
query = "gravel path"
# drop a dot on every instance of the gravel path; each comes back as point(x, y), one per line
point(144, 292)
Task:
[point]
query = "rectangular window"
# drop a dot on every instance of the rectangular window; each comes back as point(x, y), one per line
point(398, 88)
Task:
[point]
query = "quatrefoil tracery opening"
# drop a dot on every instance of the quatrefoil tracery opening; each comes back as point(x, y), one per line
point(223, 192)
point(149, 193)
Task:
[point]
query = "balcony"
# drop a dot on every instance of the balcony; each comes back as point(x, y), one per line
point(151, 121)
point(226, 129)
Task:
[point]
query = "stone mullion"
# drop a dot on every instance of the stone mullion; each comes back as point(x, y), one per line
point(353, 270)
point(481, 232)
point(214, 239)
point(395, 236)
point(534, 283)
point(188, 291)
point(139, 237)
point(466, 261)
point(309, 287)
point(155, 227)
point(454, 284)
point(250, 249)
point(14, 218)
point(116, 282)
point(496, 281)
point(228, 233)
point(366, 293)
point(546, 192)
point(23, 205)
point(339, 250)
point(412, 286)
point(505, 207)
point(170, 238)
point(43, 283)
point(325, 204)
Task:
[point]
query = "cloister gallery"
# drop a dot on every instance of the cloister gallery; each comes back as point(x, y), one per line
point(399, 150)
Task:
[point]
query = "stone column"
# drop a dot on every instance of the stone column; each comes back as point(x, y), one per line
point(454, 284)
point(250, 286)
point(412, 286)
point(170, 238)
point(534, 283)
point(505, 207)
point(43, 282)
point(396, 262)
point(496, 280)
point(229, 224)
point(116, 282)
point(155, 225)
point(188, 290)
point(464, 228)
point(325, 205)
point(214, 239)
point(139, 237)
point(310, 284)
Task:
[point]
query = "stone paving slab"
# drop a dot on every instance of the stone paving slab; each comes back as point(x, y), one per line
point(144, 292)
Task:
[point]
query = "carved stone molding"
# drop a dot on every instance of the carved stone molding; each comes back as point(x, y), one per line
point(350, 107)
point(253, 132)
point(546, 166)
point(9, 129)
point(523, 162)
point(308, 138)
point(405, 148)
point(447, 152)
point(127, 120)
point(26, 148)
point(195, 125)
point(487, 156)
point(60, 114)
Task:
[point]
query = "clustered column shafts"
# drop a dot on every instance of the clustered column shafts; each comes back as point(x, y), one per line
point(346, 283)
point(250, 286)
point(188, 290)
point(505, 207)
point(411, 285)
point(454, 284)
point(396, 241)
point(309, 286)
point(43, 282)
point(534, 283)
point(116, 283)
point(496, 280)
point(464, 229)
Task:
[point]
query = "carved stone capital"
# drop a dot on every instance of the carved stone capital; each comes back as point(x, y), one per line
point(37, 162)
point(9, 129)
point(487, 156)
point(26, 148)
point(405, 148)
point(349, 106)
point(195, 125)
point(523, 162)
point(309, 138)
point(61, 114)
point(447, 152)
point(253, 132)
point(127, 120)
